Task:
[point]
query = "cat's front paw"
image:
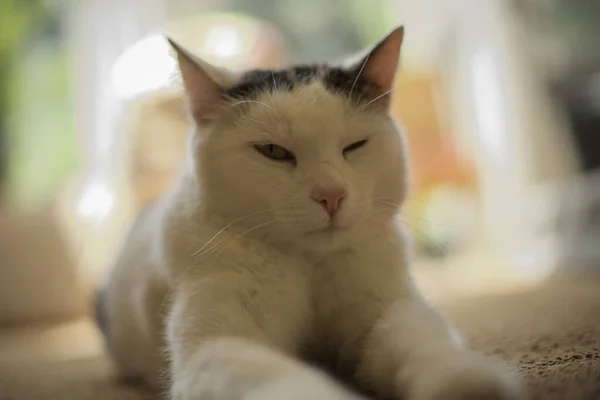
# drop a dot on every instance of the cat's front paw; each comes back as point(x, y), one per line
point(467, 377)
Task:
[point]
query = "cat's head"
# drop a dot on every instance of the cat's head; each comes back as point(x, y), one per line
point(308, 153)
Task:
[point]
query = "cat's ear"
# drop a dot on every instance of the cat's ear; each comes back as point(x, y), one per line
point(380, 65)
point(202, 82)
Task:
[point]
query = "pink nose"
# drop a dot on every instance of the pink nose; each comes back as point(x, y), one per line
point(331, 200)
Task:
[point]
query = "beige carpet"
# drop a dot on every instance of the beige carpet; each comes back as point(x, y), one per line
point(551, 334)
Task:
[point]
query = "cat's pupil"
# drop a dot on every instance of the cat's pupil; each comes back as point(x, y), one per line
point(276, 151)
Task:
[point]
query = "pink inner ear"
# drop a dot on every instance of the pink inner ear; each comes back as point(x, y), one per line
point(382, 64)
point(203, 100)
point(202, 91)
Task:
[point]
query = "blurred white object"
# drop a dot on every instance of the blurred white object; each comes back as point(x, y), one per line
point(146, 66)
point(504, 119)
point(96, 201)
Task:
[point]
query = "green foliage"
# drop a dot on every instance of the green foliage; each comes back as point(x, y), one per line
point(17, 20)
point(35, 102)
point(43, 150)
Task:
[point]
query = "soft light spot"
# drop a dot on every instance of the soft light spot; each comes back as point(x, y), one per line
point(224, 42)
point(96, 201)
point(489, 103)
point(146, 66)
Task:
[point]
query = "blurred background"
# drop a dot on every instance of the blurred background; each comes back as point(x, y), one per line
point(500, 100)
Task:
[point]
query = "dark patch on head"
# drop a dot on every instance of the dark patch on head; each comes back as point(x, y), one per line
point(304, 74)
point(345, 82)
point(349, 82)
point(255, 82)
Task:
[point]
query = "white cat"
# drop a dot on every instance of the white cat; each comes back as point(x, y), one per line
point(278, 248)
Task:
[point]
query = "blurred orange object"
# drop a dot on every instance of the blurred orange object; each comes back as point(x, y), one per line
point(443, 187)
point(433, 156)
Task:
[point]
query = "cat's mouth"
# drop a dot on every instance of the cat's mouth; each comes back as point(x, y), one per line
point(328, 230)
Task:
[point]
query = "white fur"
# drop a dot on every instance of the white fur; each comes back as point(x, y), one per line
point(225, 287)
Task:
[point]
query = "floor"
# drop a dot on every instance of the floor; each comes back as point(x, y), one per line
point(551, 334)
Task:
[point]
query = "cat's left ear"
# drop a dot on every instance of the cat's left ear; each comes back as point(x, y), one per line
point(202, 82)
point(380, 65)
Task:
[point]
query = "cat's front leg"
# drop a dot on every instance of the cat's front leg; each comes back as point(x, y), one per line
point(412, 353)
point(220, 349)
point(239, 369)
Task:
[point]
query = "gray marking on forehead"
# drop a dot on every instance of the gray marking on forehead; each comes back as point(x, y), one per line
point(337, 80)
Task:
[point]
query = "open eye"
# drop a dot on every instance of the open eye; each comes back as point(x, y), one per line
point(275, 152)
point(354, 146)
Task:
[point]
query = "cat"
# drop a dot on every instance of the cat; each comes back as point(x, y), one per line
point(276, 251)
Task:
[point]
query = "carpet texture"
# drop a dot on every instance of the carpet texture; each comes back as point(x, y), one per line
point(551, 335)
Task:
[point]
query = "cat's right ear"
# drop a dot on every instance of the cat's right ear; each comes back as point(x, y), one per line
point(202, 83)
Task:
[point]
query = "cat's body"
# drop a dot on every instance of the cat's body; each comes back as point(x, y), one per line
point(278, 244)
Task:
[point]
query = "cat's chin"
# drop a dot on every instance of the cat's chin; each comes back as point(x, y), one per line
point(327, 239)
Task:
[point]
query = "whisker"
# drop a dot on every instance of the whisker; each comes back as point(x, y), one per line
point(224, 229)
point(378, 97)
point(432, 222)
point(199, 253)
point(358, 75)
point(420, 218)
point(252, 101)
point(424, 234)
point(387, 203)
point(240, 236)
point(439, 247)
point(274, 83)
point(211, 248)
